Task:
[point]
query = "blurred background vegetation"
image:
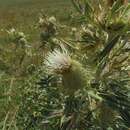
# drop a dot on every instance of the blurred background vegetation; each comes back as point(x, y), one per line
point(22, 15)
point(31, 98)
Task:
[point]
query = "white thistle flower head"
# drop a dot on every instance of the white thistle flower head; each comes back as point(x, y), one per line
point(58, 62)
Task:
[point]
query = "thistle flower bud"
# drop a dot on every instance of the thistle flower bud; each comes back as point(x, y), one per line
point(52, 19)
point(23, 41)
point(73, 74)
point(41, 21)
point(17, 37)
point(11, 31)
point(21, 35)
point(73, 31)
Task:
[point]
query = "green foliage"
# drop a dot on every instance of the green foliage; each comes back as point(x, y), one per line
point(37, 99)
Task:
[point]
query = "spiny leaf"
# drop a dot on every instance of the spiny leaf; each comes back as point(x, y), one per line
point(109, 47)
point(116, 6)
point(88, 8)
point(76, 6)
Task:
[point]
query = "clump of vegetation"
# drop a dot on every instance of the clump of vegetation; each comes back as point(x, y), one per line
point(76, 78)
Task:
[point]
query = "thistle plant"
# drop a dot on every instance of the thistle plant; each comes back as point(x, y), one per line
point(106, 33)
point(86, 80)
point(20, 48)
point(74, 76)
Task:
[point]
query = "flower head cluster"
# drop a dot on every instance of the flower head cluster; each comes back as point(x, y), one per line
point(16, 36)
point(44, 21)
